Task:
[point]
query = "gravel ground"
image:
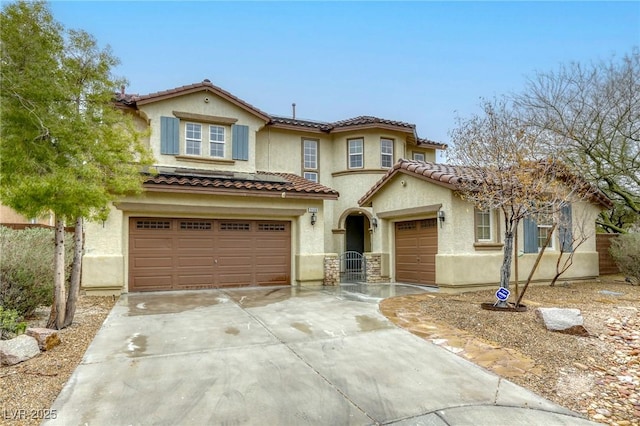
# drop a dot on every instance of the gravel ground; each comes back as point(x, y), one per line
point(597, 375)
point(28, 389)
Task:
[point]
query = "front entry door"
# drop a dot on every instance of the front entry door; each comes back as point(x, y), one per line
point(354, 229)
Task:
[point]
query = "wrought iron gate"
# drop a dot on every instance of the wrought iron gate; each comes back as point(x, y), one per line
point(352, 267)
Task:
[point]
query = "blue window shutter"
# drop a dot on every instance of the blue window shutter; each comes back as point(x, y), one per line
point(169, 136)
point(530, 235)
point(240, 142)
point(565, 233)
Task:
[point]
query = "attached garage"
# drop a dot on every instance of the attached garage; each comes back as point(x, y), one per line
point(180, 254)
point(416, 243)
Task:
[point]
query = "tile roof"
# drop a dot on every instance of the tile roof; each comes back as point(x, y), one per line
point(190, 88)
point(453, 177)
point(343, 124)
point(367, 119)
point(431, 144)
point(320, 125)
point(260, 183)
point(442, 174)
point(133, 100)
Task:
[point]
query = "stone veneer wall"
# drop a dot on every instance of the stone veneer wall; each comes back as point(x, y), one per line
point(373, 266)
point(331, 270)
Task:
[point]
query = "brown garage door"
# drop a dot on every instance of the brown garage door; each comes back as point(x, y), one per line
point(178, 254)
point(416, 249)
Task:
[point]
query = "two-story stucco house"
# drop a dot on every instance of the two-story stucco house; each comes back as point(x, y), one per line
point(240, 197)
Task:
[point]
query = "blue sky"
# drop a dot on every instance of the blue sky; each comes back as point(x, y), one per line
point(419, 62)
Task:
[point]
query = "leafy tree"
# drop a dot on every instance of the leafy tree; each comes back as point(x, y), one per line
point(507, 171)
point(64, 147)
point(591, 115)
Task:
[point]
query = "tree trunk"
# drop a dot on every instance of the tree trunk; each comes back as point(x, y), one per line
point(515, 260)
point(76, 273)
point(56, 316)
point(558, 272)
point(505, 270)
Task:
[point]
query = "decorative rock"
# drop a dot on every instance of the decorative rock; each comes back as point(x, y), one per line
point(18, 349)
point(46, 337)
point(567, 321)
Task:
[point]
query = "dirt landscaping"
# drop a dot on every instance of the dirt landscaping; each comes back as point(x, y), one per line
point(598, 376)
point(28, 389)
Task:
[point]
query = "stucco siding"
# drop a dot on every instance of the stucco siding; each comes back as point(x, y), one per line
point(195, 103)
point(469, 270)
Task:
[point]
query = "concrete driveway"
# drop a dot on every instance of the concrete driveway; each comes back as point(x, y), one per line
point(281, 356)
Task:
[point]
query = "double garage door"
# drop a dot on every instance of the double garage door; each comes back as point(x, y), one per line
point(179, 254)
point(416, 249)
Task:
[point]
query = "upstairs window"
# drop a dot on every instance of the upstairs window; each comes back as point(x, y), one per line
point(418, 156)
point(310, 154)
point(386, 153)
point(193, 139)
point(356, 153)
point(312, 176)
point(216, 141)
point(310, 159)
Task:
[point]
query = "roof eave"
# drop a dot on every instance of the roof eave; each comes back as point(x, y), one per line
point(298, 128)
point(367, 199)
point(181, 189)
point(169, 94)
point(371, 126)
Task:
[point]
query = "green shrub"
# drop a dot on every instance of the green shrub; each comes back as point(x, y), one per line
point(26, 268)
point(10, 323)
point(625, 250)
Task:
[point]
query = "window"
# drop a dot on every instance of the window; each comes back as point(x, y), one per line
point(418, 156)
point(312, 176)
point(310, 154)
point(216, 141)
point(544, 222)
point(356, 153)
point(484, 219)
point(153, 224)
point(536, 230)
point(310, 159)
point(193, 139)
point(386, 153)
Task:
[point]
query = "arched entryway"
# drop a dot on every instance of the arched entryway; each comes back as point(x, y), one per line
point(356, 224)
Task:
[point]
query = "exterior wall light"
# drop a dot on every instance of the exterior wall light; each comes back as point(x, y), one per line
point(314, 219)
point(374, 222)
point(441, 217)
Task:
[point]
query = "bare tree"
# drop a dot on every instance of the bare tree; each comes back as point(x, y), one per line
point(507, 171)
point(591, 117)
point(574, 232)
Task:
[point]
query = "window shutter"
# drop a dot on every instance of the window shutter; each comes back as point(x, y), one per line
point(169, 136)
point(530, 235)
point(240, 142)
point(565, 233)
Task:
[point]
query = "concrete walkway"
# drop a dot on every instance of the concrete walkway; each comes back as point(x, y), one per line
point(281, 356)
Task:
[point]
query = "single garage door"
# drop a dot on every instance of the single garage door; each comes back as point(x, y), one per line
point(179, 254)
point(416, 249)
